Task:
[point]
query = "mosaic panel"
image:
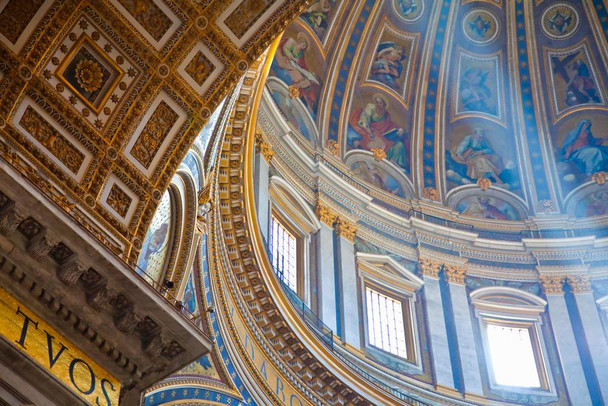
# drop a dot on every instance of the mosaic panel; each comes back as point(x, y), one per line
point(15, 17)
point(593, 204)
point(488, 208)
point(155, 248)
point(479, 87)
point(394, 55)
point(154, 132)
point(409, 10)
point(573, 80)
point(319, 16)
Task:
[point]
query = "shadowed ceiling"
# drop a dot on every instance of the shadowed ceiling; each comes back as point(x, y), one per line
point(100, 100)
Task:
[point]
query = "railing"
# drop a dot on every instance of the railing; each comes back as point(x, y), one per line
point(327, 337)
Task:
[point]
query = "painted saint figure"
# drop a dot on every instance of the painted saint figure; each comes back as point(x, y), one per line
point(290, 67)
point(474, 93)
point(475, 151)
point(485, 209)
point(588, 153)
point(387, 66)
point(580, 84)
point(371, 127)
point(316, 16)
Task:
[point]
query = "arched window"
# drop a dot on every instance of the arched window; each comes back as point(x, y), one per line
point(292, 224)
point(389, 292)
point(514, 348)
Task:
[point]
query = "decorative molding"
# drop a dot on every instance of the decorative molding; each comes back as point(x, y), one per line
point(579, 283)
point(429, 267)
point(552, 284)
point(325, 214)
point(263, 147)
point(455, 274)
point(345, 228)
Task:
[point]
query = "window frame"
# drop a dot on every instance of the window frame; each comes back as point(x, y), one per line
point(300, 249)
point(385, 276)
point(509, 307)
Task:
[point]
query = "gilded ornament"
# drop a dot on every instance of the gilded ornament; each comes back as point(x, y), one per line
point(122, 86)
point(333, 146)
point(263, 147)
point(379, 154)
point(429, 267)
point(60, 88)
point(325, 214)
point(120, 60)
point(599, 177)
point(455, 274)
point(345, 228)
point(552, 284)
point(89, 75)
point(579, 283)
point(484, 183)
point(95, 35)
point(294, 92)
point(86, 112)
point(73, 36)
point(431, 193)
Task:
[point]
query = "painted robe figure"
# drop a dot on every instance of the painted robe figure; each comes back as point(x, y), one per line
point(387, 66)
point(371, 127)
point(475, 151)
point(474, 93)
point(588, 153)
point(290, 67)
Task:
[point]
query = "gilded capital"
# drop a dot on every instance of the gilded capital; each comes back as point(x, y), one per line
point(263, 147)
point(552, 284)
point(429, 268)
point(333, 147)
point(345, 228)
point(455, 274)
point(579, 283)
point(325, 214)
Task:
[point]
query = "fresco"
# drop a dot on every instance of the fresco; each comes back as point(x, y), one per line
point(487, 207)
point(560, 21)
point(291, 111)
point(409, 10)
point(593, 204)
point(476, 151)
point(373, 173)
point(318, 16)
point(393, 56)
point(155, 248)
point(581, 148)
point(573, 79)
point(376, 124)
point(189, 299)
point(298, 64)
point(480, 26)
point(478, 87)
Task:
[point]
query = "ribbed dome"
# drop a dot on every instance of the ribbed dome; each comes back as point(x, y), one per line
point(493, 109)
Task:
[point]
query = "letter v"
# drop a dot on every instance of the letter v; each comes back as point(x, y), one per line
point(49, 340)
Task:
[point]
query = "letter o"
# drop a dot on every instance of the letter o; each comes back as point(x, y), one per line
point(298, 399)
point(72, 365)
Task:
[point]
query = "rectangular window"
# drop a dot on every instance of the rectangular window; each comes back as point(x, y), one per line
point(385, 323)
point(283, 247)
point(513, 356)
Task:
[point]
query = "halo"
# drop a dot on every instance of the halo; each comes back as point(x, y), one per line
point(382, 97)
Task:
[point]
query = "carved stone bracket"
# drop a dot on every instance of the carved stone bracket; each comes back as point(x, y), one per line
point(9, 219)
point(345, 228)
point(70, 271)
point(40, 245)
point(154, 346)
point(552, 284)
